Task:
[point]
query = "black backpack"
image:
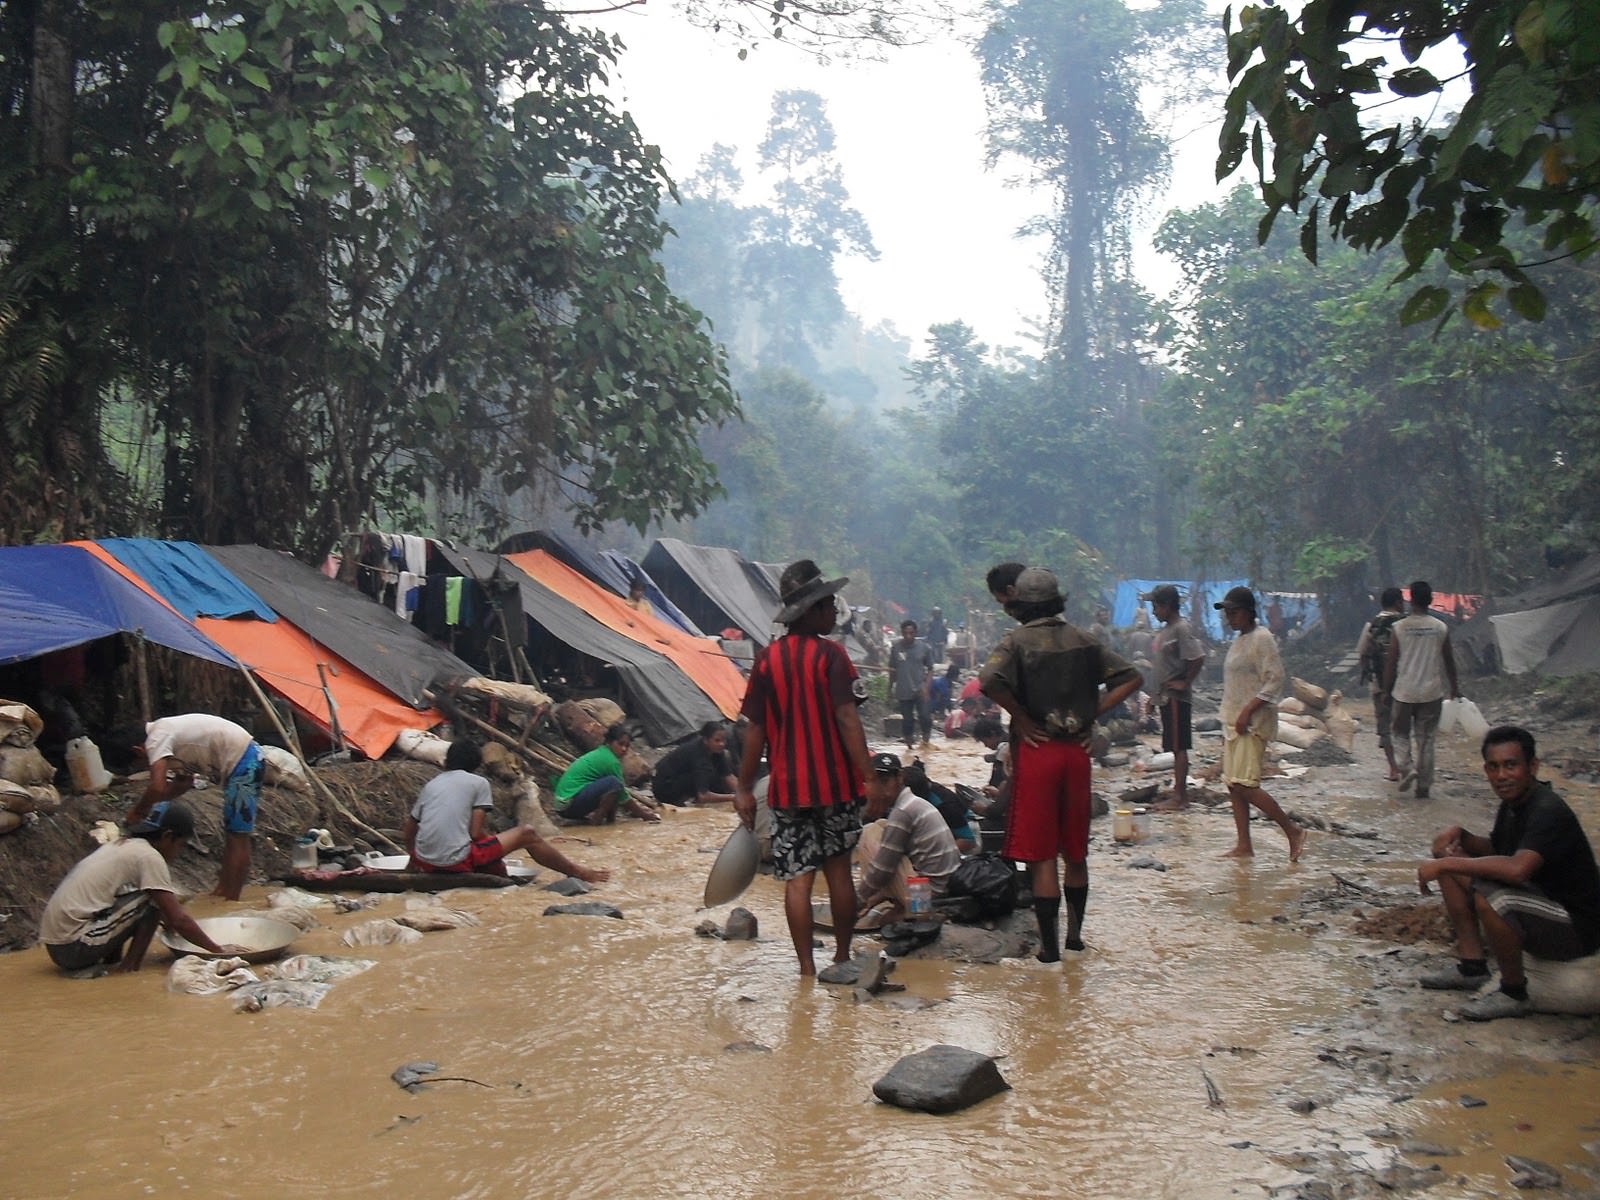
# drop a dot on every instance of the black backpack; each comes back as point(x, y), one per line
point(1379, 634)
point(989, 880)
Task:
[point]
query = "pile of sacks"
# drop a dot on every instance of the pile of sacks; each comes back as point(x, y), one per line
point(1312, 713)
point(27, 780)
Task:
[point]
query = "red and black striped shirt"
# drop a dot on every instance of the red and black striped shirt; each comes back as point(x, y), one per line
point(797, 683)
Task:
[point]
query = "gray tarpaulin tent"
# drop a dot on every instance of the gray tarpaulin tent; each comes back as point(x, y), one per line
point(370, 637)
point(1552, 628)
point(717, 588)
point(657, 693)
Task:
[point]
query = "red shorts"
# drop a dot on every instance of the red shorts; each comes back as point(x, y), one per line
point(1049, 802)
point(485, 858)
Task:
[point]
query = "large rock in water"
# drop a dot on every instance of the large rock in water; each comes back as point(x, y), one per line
point(584, 908)
point(941, 1079)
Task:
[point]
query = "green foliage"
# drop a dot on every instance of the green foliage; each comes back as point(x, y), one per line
point(371, 252)
point(1526, 144)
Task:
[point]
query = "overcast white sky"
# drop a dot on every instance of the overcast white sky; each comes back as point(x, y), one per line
point(911, 148)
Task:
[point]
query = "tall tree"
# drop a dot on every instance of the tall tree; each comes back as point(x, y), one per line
point(801, 233)
point(360, 249)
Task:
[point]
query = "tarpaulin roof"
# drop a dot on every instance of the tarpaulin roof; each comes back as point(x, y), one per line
point(187, 578)
point(716, 587)
point(658, 693)
point(1197, 601)
point(701, 658)
point(1552, 627)
point(55, 597)
point(285, 660)
point(609, 568)
point(389, 649)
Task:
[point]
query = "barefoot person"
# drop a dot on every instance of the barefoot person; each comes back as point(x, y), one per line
point(1531, 886)
point(1252, 681)
point(802, 704)
point(1176, 658)
point(592, 788)
point(446, 830)
point(104, 913)
point(179, 748)
point(1048, 675)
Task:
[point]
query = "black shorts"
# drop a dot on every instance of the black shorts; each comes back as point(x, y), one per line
point(803, 839)
point(1177, 716)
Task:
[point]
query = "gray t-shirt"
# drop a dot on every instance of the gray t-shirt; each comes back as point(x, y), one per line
point(443, 813)
point(911, 666)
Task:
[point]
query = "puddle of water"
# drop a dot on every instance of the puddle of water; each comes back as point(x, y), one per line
point(604, 1049)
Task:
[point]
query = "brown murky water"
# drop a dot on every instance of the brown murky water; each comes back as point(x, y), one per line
point(605, 1063)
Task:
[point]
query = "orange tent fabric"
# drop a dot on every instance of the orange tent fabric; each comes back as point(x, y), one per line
point(701, 659)
point(285, 660)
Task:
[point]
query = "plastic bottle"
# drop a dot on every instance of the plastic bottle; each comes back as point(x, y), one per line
point(305, 853)
point(83, 764)
point(919, 896)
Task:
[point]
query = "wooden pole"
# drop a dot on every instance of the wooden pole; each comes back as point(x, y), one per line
point(527, 753)
point(141, 674)
point(316, 780)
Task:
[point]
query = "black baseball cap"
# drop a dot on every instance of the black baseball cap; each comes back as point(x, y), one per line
point(886, 764)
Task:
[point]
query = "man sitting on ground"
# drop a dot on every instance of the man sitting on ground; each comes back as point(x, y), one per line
point(592, 788)
point(698, 771)
point(1530, 886)
point(446, 830)
point(906, 836)
point(106, 910)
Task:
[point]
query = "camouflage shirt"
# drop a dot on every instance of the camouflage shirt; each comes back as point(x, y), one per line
point(1056, 672)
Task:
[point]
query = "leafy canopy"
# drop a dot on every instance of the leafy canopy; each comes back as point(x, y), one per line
point(1525, 144)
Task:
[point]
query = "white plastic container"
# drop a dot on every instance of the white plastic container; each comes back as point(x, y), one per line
point(1122, 825)
point(1141, 824)
point(919, 895)
point(83, 764)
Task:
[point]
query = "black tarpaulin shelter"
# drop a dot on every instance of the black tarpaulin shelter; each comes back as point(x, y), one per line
point(369, 636)
point(657, 693)
point(717, 588)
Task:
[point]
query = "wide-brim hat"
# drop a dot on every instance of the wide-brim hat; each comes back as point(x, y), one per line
point(800, 587)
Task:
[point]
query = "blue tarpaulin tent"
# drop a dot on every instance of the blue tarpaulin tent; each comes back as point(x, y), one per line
point(1299, 608)
point(56, 597)
point(188, 578)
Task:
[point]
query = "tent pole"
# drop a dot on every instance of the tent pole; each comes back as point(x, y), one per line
point(316, 780)
point(141, 674)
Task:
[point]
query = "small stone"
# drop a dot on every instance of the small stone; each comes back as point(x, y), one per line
point(1146, 862)
point(941, 1079)
point(1302, 1105)
point(741, 926)
point(1240, 1145)
point(1428, 1149)
point(846, 973)
point(1531, 1173)
point(746, 1048)
point(584, 908)
point(1472, 1102)
point(568, 886)
point(707, 929)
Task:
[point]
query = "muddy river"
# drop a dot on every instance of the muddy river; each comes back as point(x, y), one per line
point(632, 1058)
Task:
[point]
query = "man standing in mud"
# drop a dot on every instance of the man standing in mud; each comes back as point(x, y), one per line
point(1531, 886)
point(1373, 652)
point(1177, 658)
point(1252, 681)
point(910, 674)
point(802, 705)
point(1048, 675)
point(1419, 668)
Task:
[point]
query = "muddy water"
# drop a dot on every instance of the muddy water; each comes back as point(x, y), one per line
point(630, 1058)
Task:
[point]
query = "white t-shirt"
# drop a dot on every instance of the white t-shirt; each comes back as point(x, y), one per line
point(443, 813)
point(1420, 677)
point(91, 890)
point(1252, 669)
point(207, 745)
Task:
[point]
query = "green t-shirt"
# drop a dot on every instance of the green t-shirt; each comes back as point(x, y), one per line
point(596, 764)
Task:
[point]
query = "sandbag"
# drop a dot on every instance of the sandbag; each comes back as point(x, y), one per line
point(1300, 739)
point(607, 712)
point(501, 763)
point(422, 746)
point(25, 765)
point(283, 770)
point(1301, 720)
point(431, 918)
point(10, 822)
point(1564, 987)
point(197, 976)
point(1309, 694)
point(1341, 725)
point(579, 726)
point(530, 810)
point(19, 724)
point(23, 798)
point(1291, 704)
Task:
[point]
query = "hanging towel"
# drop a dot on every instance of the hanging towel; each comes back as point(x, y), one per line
point(452, 600)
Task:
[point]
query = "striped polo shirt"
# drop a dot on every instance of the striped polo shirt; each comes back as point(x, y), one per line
point(797, 683)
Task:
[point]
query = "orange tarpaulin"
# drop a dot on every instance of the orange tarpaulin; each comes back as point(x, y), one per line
point(701, 659)
point(285, 659)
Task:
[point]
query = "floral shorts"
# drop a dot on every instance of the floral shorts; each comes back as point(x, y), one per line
point(805, 838)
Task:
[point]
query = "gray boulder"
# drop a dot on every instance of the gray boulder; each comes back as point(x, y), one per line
point(584, 908)
point(568, 886)
point(941, 1079)
point(740, 926)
